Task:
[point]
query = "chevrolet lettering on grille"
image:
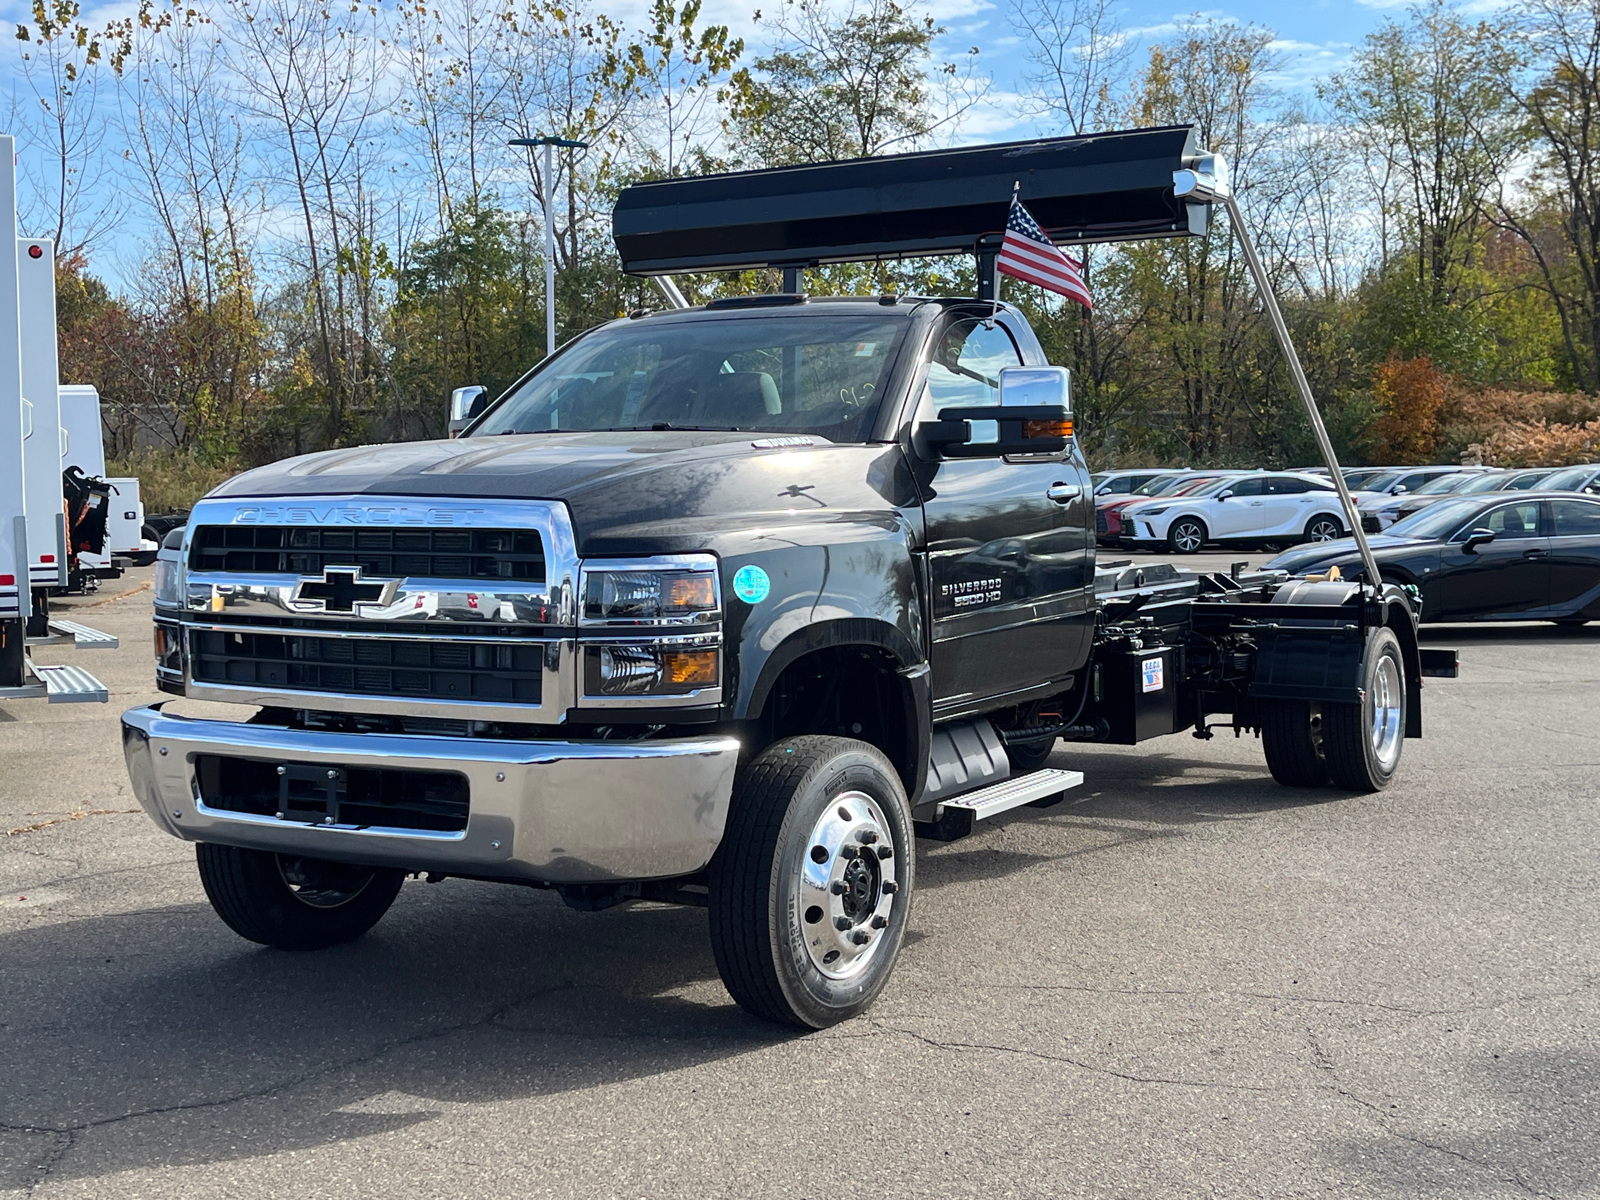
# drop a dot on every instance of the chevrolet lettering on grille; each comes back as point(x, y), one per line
point(341, 589)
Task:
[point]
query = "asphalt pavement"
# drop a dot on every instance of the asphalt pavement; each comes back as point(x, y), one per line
point(1184, 981)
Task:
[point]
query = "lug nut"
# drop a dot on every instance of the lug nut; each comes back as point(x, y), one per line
point(841, 923)
point(849, 852)
point(885, 851)
point(868, 837)
point(838, 887)
point(861, 937)
point(879, 922)
point(890, 887)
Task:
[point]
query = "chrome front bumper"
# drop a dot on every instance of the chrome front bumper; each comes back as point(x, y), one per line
point(549, 811)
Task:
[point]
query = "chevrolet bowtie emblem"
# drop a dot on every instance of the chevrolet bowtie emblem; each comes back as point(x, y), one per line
point(340, 589)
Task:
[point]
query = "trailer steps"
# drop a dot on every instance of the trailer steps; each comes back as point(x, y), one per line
point(84, 638)
point(68, 684)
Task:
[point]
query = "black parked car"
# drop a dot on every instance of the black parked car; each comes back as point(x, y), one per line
point(1486, 557)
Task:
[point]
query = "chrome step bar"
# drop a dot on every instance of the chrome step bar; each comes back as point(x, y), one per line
point(67, 684)
point(1013, 793)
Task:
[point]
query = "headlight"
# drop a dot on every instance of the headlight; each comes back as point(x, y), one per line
point(650, 631)
point(1153, 512)
point(651, 668)
point(169, 579)
point(676, 589)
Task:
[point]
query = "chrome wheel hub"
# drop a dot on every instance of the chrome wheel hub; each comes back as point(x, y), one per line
point(1188, 538)
point(844, 894)
point(1324, 531)
point(1387, 696)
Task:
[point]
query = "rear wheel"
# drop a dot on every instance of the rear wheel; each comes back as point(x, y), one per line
point(1323, 528)
point(811, 886)
point(1291, 736)
point(294, 903)
point(1362, 742)
point(1187, 535)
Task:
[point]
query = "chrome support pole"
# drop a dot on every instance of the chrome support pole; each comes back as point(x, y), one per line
point(670, 291)
point(1269, 301)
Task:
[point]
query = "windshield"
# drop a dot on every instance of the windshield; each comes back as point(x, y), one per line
point(1440, 484)
point(1381, 482)
point(1163, 485)
point(1493, 481)
point(800, 372)
point(1569, 480)
point(1356, 479)
point(1437, 521)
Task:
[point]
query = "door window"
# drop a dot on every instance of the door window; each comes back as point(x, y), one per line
point(1286, 486)
point(1247, 487)
point(1511, 521)
point(1576, 519)
point(964, 371)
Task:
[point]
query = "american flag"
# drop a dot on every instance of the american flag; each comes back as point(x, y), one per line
point(1029, 254)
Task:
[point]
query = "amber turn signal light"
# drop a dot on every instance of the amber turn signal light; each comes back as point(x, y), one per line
point(690, 667)
point(1047, 429)
point(690, 592)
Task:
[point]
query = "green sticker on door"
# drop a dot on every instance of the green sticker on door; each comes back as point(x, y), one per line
point(750, 584)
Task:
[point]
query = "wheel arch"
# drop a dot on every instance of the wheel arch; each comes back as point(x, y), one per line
point(831, 677)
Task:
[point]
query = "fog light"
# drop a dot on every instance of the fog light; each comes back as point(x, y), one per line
point(628, 670)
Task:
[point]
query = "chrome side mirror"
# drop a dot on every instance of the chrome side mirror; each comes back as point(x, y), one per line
point(1224, 495)
point(1476, 538)
point(466, 403)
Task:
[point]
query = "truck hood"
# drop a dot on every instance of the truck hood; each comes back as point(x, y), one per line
point(628, 490)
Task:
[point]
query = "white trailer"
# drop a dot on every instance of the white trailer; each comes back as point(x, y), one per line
point(32, 528)
point(41, 408)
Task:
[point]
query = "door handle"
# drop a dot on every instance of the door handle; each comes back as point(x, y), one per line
point(1063, 493)
point(1535, 554)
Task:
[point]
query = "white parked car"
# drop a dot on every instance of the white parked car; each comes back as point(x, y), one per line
point(1287, 506)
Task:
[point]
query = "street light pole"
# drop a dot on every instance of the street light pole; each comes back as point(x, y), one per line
point(549, 144)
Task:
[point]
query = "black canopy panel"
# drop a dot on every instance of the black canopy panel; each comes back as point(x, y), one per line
point(1100, 187)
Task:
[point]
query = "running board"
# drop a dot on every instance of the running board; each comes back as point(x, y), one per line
point(84, 638)
point(67, 684)
point(1013, 793)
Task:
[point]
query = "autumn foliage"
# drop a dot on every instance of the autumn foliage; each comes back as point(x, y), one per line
point(1411, 394)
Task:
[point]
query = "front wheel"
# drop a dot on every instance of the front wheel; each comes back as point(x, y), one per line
point(1323, 528)
point(1362, 742)
point(1187, 535)
point(290, 902)
point(811, 886)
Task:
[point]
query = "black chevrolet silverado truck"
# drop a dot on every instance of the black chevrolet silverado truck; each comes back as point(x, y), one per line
point(723, 606)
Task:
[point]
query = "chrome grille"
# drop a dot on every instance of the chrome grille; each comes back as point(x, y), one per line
point(497, 554)
point(500, 672)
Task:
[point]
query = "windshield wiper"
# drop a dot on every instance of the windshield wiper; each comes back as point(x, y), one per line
point(668, 427)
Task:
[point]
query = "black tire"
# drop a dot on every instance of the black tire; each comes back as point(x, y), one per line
point(1187, 535)
point(1362, 751)
point(790, 803)
point(328, 904)
point(1291, 736)
point(1323, 528)
point(1028, 757)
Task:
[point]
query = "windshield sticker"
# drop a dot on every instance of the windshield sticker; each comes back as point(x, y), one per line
point(865, 349)
point(750, 584)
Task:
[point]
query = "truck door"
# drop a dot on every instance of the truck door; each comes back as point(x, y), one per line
point(1009, 540)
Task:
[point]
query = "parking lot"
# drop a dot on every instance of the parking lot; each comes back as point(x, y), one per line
point(1183, 981)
